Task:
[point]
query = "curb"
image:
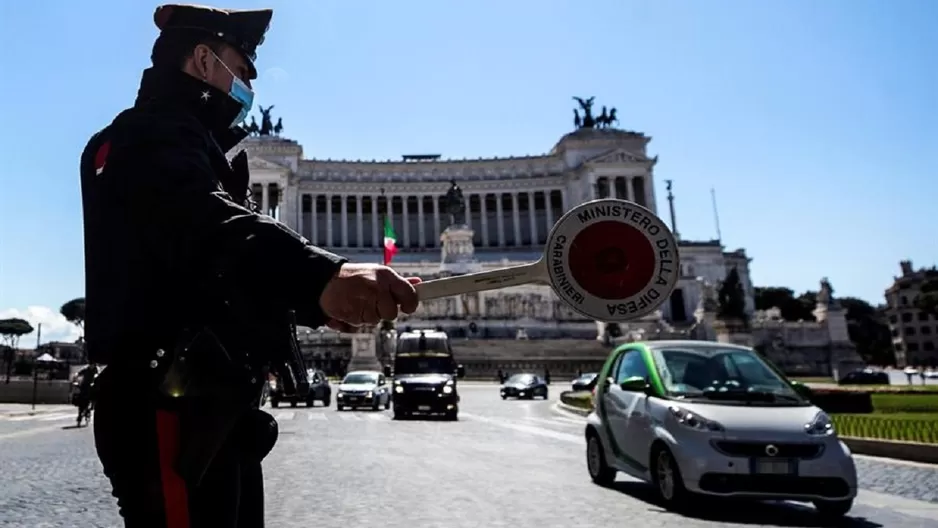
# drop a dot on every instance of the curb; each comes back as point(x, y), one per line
point(908, 451)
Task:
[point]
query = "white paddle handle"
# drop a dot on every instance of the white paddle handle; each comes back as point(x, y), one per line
point(481, 281)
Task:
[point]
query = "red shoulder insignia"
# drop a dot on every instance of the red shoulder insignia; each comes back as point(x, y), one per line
point(100, 157)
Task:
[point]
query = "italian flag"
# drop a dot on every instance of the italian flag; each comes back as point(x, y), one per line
point(390, 241)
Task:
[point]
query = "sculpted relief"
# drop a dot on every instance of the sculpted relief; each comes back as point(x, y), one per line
point(497, 306)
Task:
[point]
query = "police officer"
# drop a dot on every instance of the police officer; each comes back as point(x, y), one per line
point(177, 266)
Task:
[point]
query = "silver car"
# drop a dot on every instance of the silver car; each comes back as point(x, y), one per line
point(699, 418)
point(363, 388)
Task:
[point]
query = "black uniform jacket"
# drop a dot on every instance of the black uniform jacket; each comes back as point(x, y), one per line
point(166, 214)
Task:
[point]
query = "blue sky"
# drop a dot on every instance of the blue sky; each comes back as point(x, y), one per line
point(816, 122)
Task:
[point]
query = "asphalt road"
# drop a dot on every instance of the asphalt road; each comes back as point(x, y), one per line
point(505, 463)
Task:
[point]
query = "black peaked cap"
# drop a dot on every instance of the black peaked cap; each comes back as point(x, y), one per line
point(243, 30)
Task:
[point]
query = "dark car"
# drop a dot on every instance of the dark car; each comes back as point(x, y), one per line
point(585, 382)
point(524, 386)
point(319, 390)
point(865, 377)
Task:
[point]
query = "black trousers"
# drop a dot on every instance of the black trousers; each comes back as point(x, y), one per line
point(136, 441)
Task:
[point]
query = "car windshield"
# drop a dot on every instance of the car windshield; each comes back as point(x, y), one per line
point(357, 378)
point(442, 364)
point(721, 375)
point(523, 379)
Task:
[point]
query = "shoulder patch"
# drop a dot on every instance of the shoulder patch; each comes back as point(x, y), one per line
point(100, 157)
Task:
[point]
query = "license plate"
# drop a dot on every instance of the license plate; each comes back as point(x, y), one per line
point(772, 466)
point(354, 400)
point(423, 407)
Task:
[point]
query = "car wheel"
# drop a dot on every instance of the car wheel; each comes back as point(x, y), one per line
point(376, 405)
point(451, 416)
point(387, 404)
point(399, 415)
point(310, 402)
point(274, 403)
point(545, 393)
point(326, 402)
point(833, 510)
point(596, 464)
point(666, 477)
point(504, 397)
point(339, 408)
point(293, 403)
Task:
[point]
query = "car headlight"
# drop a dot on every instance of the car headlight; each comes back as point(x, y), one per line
point(369, 394)
point(447, 389)
point(340, 395)
point(450, 383)
point(694, 421)
point(822, 425)
point(399, 389)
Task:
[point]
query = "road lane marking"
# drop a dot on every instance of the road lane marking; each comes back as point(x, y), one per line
point(901, 505)
point(556, 421)
point(56, 417)
point(284, 415)
point(30, 432)
point(377, 417)
point(348, 417)
point(316, 416)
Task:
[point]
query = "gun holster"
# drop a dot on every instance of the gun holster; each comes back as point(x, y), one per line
point(213, 395)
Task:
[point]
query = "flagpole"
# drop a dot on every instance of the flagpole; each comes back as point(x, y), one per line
point(384, 215)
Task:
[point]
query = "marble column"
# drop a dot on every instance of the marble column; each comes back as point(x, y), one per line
point(612, 186)
point(629, 192)
point(265, 198)
point(406, 221)
point(548, 202)
point(421, 238)
point(344, 221)
point(499, 220)
point(314, 235)
point(436, 222)
point(532, 218)
point(484, 214)
point(516, 218)
point(377, 241)
point(360, 221)
point(329, 238)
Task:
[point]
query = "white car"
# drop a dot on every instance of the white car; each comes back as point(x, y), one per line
point(363, 388)
point(701, 418)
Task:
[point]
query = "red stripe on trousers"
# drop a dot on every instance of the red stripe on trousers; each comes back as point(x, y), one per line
point(175, 496)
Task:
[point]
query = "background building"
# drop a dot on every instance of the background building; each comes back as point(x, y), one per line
point(914, 333)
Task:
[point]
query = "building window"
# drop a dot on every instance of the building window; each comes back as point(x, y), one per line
point(893, 319)
point(907, 317)
point(895, 332)
point(928, 346)
point(904, 301)
point(898, 347)
point(912, 347)
point(925, 330)
point(923, 316)
point(909, 331)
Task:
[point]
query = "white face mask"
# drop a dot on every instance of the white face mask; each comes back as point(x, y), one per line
point(240, 93)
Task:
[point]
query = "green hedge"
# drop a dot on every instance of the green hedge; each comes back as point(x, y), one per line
point(578, 399)
point(907, 428)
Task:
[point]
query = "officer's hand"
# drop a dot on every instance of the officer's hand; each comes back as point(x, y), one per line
point(367, 294)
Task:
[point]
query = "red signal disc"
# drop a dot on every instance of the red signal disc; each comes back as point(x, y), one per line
point(612, 260)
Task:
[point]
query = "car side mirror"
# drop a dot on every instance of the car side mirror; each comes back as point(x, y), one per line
point(387, 370)
point(634, 384)
point(803, 390)
point(604, 387)
point(460, 371)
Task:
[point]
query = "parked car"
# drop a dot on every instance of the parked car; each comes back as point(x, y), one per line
point(585, 382)
point(318, 390)
point(524, 386)
point(701, 418)
point(865, 377)
point(363, 388)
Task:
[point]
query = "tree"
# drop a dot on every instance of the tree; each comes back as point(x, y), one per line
point(793, 308)
point(868, 330)
point(927, 299)
point(74, 312)
point(11, 330)
point(732, 298)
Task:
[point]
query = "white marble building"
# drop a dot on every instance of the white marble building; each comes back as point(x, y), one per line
point(511, 205)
